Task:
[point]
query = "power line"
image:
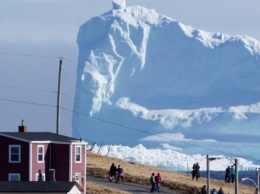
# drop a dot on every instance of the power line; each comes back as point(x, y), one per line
point(29, 89)
point(28, 55)
point(77, 99)
point(25, 102)
point(130, 128)
point(86, 101)
point(71, 61)
point(163, 137)
point(137, 86)
point(67, 80)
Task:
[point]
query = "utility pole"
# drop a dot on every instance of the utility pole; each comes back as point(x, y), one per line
point(257, 180)
point(58, 99)
point(208, 176)
point(208, 173)
point(236, 180)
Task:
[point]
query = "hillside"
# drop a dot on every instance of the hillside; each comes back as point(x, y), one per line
point(98, 166)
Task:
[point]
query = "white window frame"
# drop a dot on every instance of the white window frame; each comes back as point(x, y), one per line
point(78, 178)
point(37, 177)
point(78, 154)
point(10, 175)
point(42, 154)
point(10, 153)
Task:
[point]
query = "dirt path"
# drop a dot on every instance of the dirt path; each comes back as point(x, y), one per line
point(127, 187)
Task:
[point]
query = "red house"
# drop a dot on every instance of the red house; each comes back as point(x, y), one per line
point(26, 155)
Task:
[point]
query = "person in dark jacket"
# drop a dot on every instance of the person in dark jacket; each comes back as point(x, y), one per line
point(204, 190)
point(158, 180)
point(220, 191)
point(152, 181)
point(214, 191)
point(228, 175)
point(112, 172)
point(193, 172)
point(197, 171)
point(120, 174)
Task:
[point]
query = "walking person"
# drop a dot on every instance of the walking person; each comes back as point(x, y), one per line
point(158, 180)
point(204, 190)
point(228, 174)
point(120, 174)
point(233, 172)
point(197, 171)
point(220, 191)
point(152, 181)
point(112, 172)
point(214, 191)
point(193, 172)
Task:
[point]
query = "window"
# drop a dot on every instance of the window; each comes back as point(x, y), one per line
point(78, 154)
point(40, 153)
point(13, 177)
point(14, 153)
point(78, 178)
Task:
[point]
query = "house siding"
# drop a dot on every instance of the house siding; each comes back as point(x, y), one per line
point(60, 161)
point(79, 167)
point(5, 167)
point(43, 166)
point(58, 155)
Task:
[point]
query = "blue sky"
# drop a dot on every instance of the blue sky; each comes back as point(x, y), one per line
point(59, 20)
point(35, 33)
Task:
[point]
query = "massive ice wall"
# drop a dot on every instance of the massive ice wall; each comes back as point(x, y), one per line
point(145, 78)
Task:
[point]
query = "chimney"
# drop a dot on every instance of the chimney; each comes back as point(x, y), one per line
point(52, 175)
point(22, 128)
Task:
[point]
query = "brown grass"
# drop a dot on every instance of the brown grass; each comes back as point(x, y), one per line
point(98, 166)
point(99, 189)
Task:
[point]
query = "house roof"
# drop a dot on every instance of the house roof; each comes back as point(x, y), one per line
point(37, 186)
point(39, 136)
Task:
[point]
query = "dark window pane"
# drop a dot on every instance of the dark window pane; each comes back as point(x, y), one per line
point(14, 157)
point(40, 158)
point(40, 150)
point(14, 150)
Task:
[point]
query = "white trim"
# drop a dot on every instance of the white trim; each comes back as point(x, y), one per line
point(79, 143)
point(78, 154)
point(61, 142)
point(42, 154)
point(70, 163)
point(14, 174)
point(40, 142)
point(85, 170)
point(19, 153)
point(30, 162)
